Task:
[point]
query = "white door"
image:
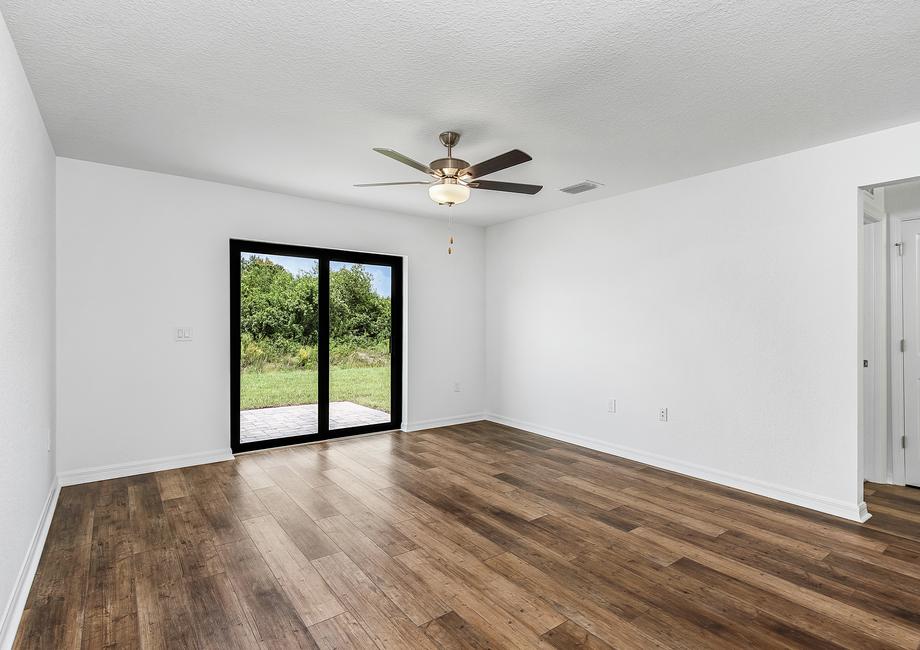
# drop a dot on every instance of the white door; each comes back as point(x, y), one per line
point(910, 264)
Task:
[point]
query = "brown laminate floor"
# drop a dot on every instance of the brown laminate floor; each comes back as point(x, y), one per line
point(475, 536)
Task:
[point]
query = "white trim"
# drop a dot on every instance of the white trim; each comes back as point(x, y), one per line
point(874, 348)
point(405, 344)
point(9, 624)
point(881, 372)
point(105, 472)
point(444, 422)
point(836, 507)
point(874, 206)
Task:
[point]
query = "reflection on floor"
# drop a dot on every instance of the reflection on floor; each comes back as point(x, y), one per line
point(285, 421)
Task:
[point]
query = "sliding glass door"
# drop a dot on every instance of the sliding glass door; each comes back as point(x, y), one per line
point(360, 353)
point(278, 338)
point(315, 344)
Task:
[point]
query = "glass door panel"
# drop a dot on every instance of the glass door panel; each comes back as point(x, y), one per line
point(360, 354)
point(315, 344)
point(278, 343)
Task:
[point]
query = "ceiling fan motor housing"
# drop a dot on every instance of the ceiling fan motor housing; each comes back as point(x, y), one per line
point(449, 167)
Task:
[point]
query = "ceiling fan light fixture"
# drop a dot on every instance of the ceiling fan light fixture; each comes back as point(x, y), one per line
point(454, 177)
point(449, 192)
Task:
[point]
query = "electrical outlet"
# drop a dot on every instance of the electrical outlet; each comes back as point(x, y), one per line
point(611, 406)
point(456, 386)
point(663, 414)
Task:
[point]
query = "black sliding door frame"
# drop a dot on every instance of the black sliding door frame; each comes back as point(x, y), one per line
point(323, 256)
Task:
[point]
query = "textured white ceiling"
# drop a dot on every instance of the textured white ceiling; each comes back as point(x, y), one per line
point(289, 95)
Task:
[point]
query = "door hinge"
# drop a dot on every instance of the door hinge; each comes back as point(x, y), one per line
point(900, 246)
point(903, 345)
point(903, 442)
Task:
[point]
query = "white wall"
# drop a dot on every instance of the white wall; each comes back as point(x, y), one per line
point(26, 327)
point(903, 199)
point(729, 298)
point(140, 253)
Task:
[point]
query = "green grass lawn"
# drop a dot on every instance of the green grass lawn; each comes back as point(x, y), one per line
point(366, 386)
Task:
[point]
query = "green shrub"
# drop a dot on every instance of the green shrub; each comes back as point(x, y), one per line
point(279, 318)
point(355, 355)
point(252, 355)
point(306, 357)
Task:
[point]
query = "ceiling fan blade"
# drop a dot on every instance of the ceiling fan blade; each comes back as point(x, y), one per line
point(382, 184)
point(492, 165)
point(520, 188)
point(395, 155)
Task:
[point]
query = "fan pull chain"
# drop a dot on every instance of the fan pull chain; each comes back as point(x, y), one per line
point(450, 227)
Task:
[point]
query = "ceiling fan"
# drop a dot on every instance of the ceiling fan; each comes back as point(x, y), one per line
point(453, 178)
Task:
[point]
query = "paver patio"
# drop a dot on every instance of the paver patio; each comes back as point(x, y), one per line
point(285, 421)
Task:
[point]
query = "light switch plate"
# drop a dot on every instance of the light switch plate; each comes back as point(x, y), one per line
point(183, 334)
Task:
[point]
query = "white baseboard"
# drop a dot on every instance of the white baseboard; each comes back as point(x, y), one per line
point(105, 472)
point(17, 602)
point(443, 422)
point(836, 507)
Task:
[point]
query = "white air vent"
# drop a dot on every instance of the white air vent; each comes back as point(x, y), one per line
point(578, 188)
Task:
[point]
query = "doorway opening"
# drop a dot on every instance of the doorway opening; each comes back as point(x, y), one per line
point(316, 344)
point(890, 332)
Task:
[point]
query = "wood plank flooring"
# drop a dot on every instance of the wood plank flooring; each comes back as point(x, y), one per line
point(474, 536)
